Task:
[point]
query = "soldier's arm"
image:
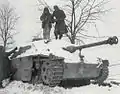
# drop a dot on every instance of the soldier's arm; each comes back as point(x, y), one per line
point(52, 17)
point(42, 17)
point(64, 16)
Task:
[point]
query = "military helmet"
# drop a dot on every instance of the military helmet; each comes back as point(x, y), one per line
point(56, 7)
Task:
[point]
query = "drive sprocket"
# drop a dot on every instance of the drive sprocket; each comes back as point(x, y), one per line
point(52, 72)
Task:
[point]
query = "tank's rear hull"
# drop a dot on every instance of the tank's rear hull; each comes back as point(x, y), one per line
point(80, 71)
point(24, 68)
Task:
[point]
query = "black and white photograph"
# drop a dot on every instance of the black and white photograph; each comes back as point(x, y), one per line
point(59, 47)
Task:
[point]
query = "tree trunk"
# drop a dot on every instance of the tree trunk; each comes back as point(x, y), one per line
point(73, 40)
point(5, 42)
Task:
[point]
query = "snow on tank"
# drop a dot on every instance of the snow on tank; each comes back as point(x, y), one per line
point(54, 47)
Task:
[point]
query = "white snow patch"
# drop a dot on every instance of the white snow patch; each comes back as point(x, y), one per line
point(18, 87)
point(54, 47)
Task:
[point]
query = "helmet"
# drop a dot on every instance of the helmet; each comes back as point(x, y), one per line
point(56, 7)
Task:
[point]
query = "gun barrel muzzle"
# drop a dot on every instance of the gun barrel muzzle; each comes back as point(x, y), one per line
point(112, 40)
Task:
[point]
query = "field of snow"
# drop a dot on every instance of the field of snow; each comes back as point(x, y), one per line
point(18, 87)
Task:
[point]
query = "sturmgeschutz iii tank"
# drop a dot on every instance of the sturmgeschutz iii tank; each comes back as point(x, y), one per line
point(55, 61)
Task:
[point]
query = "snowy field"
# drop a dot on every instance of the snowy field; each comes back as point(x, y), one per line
point(25, 88)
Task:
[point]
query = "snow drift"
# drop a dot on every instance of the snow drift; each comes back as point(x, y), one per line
point(25, 88)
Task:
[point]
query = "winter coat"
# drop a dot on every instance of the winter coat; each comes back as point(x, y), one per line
point(46, 19)
point(59, 15)
point(60, 26)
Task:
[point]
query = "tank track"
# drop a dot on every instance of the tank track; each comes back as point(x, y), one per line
point(103, 76)
point(56, 68)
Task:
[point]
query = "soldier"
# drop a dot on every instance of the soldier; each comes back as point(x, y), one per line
point(5, 64)
point(59, 16)
point(36, 73)
point(46, 23)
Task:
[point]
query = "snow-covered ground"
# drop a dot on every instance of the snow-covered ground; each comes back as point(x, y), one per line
point(18, 87)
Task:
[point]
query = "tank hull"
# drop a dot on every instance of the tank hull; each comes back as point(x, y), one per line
point(71, 70)
point(80, 71)
point(53, 64)
point(24, 68)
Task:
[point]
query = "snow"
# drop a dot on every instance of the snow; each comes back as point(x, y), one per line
point(54, 47)
point(17, 87)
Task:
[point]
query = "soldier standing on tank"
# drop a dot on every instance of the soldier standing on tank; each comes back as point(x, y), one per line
point(5, 64)
point(59, 16)
point(46, 23)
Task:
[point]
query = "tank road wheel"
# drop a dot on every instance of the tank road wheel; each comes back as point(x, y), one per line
point(46, 73)
point(103, 75)
point(51, 73)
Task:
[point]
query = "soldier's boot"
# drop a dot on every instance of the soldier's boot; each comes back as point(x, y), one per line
point(40, 80)
point(60, 36)
point(35, 80)
point(56, 35)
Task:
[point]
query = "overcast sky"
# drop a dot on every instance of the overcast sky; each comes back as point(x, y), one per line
point(29, 24)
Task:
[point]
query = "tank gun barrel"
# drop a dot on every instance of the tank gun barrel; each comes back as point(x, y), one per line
point(110, 40)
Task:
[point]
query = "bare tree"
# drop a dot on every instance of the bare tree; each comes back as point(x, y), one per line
point(42, 4)
point(8, 19)
point(81, 13)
